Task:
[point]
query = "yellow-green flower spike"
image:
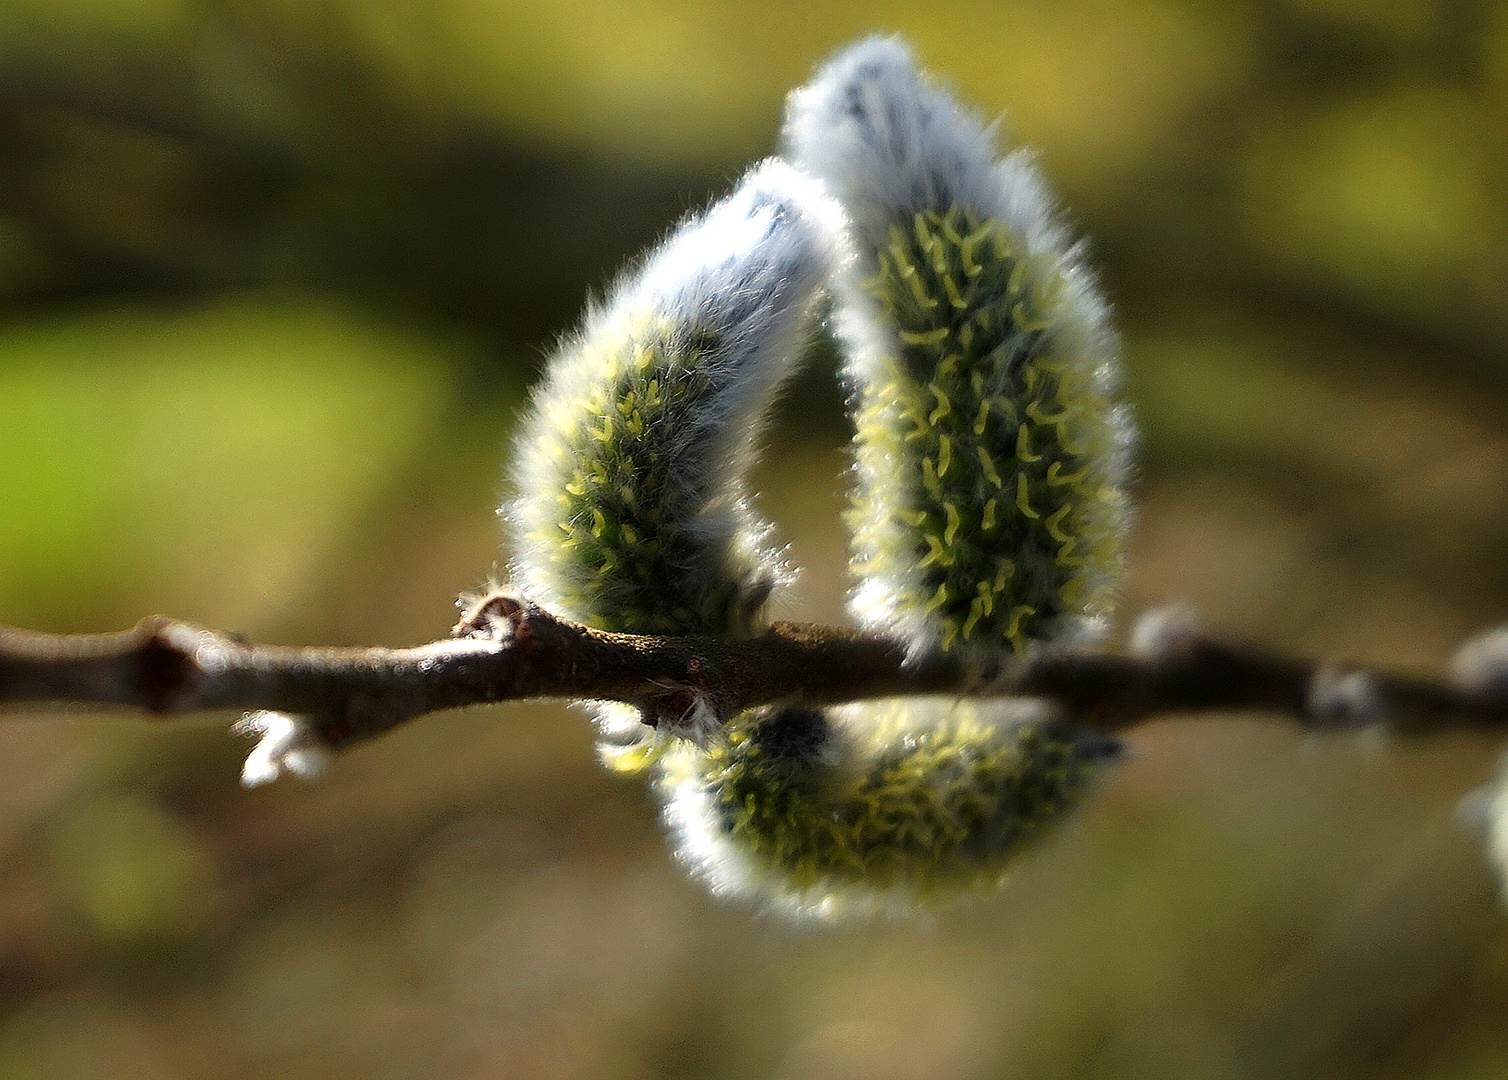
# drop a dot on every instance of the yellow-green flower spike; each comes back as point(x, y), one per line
point(988, 513)
point(990, 455)
point(632, 511)
point(866, 811)
point(989, 465)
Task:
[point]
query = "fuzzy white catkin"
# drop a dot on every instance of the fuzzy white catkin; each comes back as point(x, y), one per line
point(988, 511)
point(991, 457)
point(632, 511)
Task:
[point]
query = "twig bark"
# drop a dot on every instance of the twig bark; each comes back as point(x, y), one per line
point(506, 649)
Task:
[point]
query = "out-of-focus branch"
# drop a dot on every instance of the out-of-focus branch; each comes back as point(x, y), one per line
point(506, 649)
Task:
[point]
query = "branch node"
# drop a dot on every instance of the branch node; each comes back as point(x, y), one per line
point(1166, 634)
point(688, 708)
point(166, 670)
point(685, 712)
point(1345, 697)
point(500, 614)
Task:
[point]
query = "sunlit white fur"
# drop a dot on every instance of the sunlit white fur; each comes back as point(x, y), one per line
point(750, 270)
point(285, 744)
point(752, 267)
point(710, 853)
point(888, 143)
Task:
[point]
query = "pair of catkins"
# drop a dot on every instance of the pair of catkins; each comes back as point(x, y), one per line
point(988, 489)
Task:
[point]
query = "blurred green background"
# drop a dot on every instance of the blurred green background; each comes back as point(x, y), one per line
point(274, 278)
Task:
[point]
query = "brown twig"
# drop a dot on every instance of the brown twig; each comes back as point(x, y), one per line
point(506, 649)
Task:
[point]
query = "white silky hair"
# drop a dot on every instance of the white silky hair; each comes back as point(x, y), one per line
point(749, 270)
point(888, 143)
point(285, 744)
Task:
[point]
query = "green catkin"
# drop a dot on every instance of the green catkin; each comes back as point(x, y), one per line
point(610, 537)
point(974, 366)
point(987, 515)
point(632, 513)
point(990, 458)
point(831, 813)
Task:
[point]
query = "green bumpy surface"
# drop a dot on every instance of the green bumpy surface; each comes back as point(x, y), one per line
point(938, 810)
point(985, 499)
point(621, 542)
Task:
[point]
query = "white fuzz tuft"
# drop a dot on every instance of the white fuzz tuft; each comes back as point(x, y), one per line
point(1164, 633)
point(1481, 665)
point(285, 744)
point(632, 512)
point(888, 144)
point(991, 457)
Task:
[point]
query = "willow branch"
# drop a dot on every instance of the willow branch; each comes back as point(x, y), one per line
point(506, 649)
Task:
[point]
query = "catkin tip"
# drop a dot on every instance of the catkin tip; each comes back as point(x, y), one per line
point(990, 453)
point(632, 511)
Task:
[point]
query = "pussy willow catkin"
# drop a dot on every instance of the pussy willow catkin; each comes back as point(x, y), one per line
point(987, 515)
point(988, 502)
point(632, 511)
point(990, 460)
point(872, 809)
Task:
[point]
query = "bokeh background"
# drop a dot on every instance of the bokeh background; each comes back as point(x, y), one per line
point(274, 278)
